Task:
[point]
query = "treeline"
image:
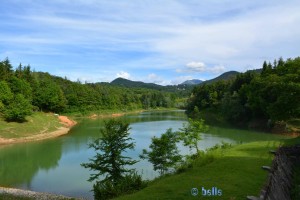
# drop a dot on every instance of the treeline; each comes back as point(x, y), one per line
point(270, 96)
point(23, 91)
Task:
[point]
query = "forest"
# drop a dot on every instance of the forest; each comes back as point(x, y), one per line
point(24, 91)
point(268, 97)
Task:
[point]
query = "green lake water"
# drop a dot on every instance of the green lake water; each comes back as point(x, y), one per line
point(53, 165)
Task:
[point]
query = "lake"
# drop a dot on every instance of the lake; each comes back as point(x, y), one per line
point(53, 165)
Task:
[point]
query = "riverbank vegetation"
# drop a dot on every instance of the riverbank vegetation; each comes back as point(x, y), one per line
point(37, 123)
point(235, 170)
point(110, 163)
point(268, 100)
point(23, 91)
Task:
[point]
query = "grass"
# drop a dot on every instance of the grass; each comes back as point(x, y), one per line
point(37, 123)
point(6, 196)
point(236, 171)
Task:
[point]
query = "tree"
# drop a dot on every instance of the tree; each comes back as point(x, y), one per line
point(164, 153)
point(5, 93)
point(5, 69)
point(190, 134)
point(110, 162)
point(49, 96)
point(18, 109)
point(20, 86)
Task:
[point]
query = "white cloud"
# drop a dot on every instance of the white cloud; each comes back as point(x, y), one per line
point(195, 66)
point(135, 35)
point(123, 74)
point(154, 78)
point(216, 69)
point(200, 67)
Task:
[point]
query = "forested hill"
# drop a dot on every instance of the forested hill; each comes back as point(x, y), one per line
point(138, 84)
point(23, 91)
point(269, 97)
point(225, 76)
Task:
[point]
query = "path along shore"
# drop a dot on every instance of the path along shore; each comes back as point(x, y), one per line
point(65, 121)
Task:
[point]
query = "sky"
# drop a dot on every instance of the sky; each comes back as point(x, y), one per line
point(159, 41)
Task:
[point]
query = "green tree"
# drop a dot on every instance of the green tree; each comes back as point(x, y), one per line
point(5, 69)
point(164, 153)
point(20, 86)
point(18, 109)
point(191, 132)
point(232, 108)
point(110, 162)
point(48, 96)
point(5, 93)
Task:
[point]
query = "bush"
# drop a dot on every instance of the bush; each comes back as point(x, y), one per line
point(129, 184)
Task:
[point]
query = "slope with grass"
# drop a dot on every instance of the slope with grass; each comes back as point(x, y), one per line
point(38, 126)
point(236, 171)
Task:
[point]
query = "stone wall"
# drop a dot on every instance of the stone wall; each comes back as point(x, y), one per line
point(280, 181)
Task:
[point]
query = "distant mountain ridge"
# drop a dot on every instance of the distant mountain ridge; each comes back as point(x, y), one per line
point(225, 76)
point(128, 83)
point(191, 82)
point(186, 84)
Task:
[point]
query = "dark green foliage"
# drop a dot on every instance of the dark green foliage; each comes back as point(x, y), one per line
point(48, 96)
point(18, 109)
point(54, 94)
point(129, 184)
point(20, 86)
point(5, 70)
point(109, 160)
point(274, 94)
point(164, 153)
point(110, 163)
point(223, 77)
point(233, 108)
point(5, 93)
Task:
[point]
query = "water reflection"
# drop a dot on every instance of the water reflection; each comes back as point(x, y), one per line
point(54, 165)
point(19, 163)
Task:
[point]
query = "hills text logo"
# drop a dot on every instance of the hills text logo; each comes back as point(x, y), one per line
point(214, 191)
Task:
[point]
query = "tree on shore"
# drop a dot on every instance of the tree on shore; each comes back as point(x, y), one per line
point(164, 153)
point(191, 132)
point(18, 109)
point(111, 164)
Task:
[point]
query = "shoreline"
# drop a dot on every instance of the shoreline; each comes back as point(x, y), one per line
point(111, 115)
point(63, 130)
point(30, 194)
point(67, 125)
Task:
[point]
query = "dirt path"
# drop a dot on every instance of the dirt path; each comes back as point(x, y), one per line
point(45, 135)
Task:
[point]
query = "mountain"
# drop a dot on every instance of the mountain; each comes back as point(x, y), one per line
point(225, 76)
point(138, 84)
point(186, 85)
point(191, 82)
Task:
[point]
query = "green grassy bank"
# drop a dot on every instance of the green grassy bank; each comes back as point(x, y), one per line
point(38, 123)
point(236, 171)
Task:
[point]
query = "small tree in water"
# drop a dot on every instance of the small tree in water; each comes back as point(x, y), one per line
point(110, 162)
point(190, 134)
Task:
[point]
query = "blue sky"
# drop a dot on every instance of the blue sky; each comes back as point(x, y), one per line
point(164, 42)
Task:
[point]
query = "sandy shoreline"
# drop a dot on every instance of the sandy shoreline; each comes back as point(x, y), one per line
point(67, 125)
point(112, 115)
